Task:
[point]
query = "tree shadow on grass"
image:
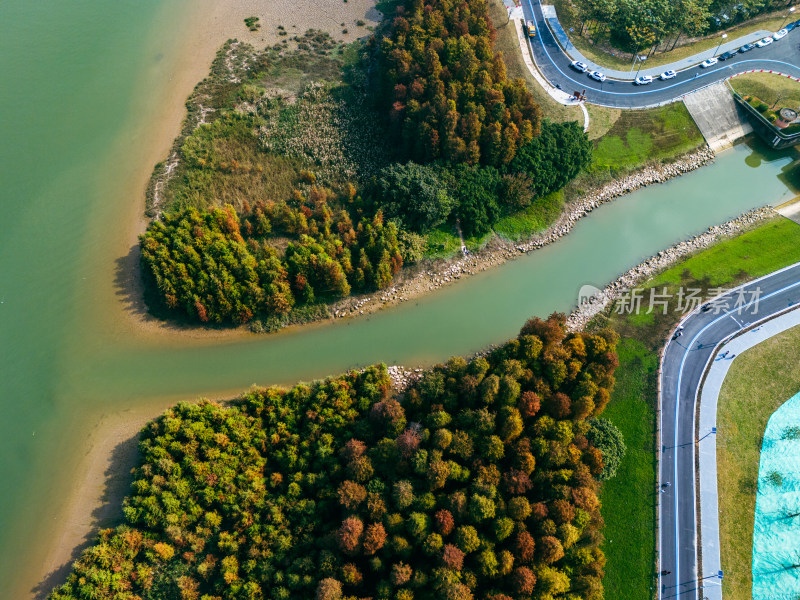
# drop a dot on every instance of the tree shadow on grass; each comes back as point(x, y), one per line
point(107, 514)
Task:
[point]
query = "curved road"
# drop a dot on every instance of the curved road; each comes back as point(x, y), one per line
point(682, 366)
point(782, 56)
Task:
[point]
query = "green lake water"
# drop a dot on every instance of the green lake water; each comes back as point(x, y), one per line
point(80, 82)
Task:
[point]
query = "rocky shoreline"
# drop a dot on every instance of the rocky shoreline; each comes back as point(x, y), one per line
point(587, 310)
point(436, 275)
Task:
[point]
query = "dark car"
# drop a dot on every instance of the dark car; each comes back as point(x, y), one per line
point(747, 47)
point(792, 25)
point(727, 55)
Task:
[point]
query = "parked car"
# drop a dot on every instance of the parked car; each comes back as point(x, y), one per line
point(668, 75)
point(792, 25)
point(727, 55)
point(709, 62)
point(597, 76)
point(579, 66)
point(765, 42)
point(746, 48)
point(643, 80)
point(778, 35)
point(531, 29)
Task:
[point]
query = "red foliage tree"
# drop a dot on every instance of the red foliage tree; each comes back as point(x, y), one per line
point(401, 573)
point(550, 331)
point(444, 522)
point(529, 404)
point(374, 538)
point(524, 547)
point(452, 557)
point(349, 535)
point(562, 511)
point(593, 460)
point(353, 449)
point(408, 442)
point(329, 589)
point(351, 494)
point(523, 580)
point(388, 413)
point(550, 549)
point(539, 511)
point(559, 406)
point(517, 482)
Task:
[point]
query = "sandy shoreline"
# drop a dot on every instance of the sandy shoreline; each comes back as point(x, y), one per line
point(109, 451)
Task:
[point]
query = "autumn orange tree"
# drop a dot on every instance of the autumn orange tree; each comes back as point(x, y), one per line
point(446, 88)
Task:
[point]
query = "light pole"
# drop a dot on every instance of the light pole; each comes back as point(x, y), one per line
point(641, 62)
point(786, 18)
point(635, 56)
point(724, 36)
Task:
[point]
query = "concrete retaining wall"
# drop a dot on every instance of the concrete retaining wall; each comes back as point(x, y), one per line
point(717, 115)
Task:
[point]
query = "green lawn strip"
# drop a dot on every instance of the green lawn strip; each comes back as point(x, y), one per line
point(602, 53)
point(760, 380)
point(752, 254)
point(628, 499)
point(537, 217)
point(642, 135)
point(442, 242)
point(770, 88)
point(764, 249)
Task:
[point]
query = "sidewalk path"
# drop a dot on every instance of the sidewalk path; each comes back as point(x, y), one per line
point(571, 51)
point(707, 446)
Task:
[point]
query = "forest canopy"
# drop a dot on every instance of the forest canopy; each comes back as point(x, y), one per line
point(636, 25)
point(446, 87)
point(478, 482)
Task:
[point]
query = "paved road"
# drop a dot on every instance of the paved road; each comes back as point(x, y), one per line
point(782, 56)
point(682, 367)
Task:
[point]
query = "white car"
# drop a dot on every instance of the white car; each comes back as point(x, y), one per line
point(643, 80)
point(709, 62)
point(597, 76)
point(765, 42)
point(779, 34)
point(579, 66)
point(668, 75)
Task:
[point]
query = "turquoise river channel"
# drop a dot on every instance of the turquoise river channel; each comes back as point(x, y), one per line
point(83, 84)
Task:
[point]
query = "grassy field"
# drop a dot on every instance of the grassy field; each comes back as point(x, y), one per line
point(769, 88)
point(760, 380)
point(628, 499)
point(641, 135)
point(602, 53)
point(536, 217)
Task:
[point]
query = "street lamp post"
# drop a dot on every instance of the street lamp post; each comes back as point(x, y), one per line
point(641, 62)
point(635, 57)
point(724, 36)
point(786, 18)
